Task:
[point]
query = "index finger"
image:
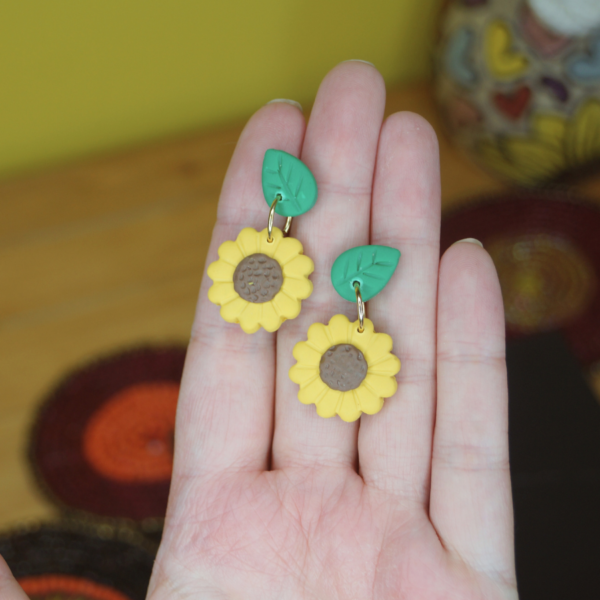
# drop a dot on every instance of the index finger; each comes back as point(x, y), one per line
point(224, 418)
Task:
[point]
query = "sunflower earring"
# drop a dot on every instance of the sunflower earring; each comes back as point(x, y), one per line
point(262, 277)
point(346, 368)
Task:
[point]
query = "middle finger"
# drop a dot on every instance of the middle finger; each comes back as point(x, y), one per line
point(340, 149)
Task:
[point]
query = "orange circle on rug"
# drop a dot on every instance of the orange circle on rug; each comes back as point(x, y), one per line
point(130, 437)
point(67, 587)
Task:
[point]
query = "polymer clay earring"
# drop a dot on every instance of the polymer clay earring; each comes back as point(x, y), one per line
point(261, 278)
point(346, 368)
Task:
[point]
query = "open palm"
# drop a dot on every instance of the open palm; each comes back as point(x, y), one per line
point(270, 501)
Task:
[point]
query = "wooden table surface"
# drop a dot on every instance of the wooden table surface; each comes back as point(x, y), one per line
point(109, 253)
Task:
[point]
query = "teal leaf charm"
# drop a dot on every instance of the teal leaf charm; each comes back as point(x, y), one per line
point(287, 176)
point(371, 266)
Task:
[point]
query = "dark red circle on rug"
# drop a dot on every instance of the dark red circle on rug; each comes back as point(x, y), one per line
point(78, 561)
point(546, 248)
point(103, 439)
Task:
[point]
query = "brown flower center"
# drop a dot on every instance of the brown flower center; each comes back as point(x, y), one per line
point(343, 367)
point(257, 278)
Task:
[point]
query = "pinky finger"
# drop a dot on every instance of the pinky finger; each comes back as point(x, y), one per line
point(471, 506)
point(9, 588)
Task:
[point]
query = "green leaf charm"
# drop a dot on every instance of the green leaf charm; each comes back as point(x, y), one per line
point(289, 177)
point(371, 266)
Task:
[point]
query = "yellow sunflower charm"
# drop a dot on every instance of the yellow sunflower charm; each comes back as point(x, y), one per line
point(345, 372)
point(261, 278)
point(259, 283)
point(347, 368)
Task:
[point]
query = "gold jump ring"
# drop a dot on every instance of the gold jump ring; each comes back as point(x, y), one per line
point(361, 307)
point(288, 222)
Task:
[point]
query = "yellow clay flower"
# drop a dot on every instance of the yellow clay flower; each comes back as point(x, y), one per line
point(260, 284)
point(342, 336)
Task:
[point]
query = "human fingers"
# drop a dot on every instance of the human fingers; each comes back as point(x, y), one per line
point(471, 505)
point(340, 148)
point(225, 409)
point(9, 588)
point(395, 444)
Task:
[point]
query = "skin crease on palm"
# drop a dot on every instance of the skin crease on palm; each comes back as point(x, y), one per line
point(271, 502)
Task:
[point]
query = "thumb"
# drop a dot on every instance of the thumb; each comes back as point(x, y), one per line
point(9, 588)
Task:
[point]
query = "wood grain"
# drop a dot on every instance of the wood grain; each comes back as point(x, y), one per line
point(109, 253)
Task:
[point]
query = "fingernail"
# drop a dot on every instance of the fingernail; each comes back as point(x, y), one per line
point(358, 60)
point(286, 101)
point(469, 241)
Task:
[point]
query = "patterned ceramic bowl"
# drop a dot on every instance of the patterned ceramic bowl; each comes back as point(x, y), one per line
point(518, 83)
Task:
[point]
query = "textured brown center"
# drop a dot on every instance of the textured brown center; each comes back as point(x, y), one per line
point(343, 367)
point(257, 278)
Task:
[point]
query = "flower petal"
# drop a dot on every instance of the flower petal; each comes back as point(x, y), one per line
point(232, 310)
point(490, 154)
point(297, 288)
point(248, 241)
point(313, 391)
point(287, 306)
point(222, 293)
point(550, 129)
point(288, 249)
point(538, 160)
point(299, 267)
point(220, 271)
point(270, 249)
point(521, 164)
point(318, 338)
point(250, 316)
point(339, 329)
point(307, 356)
point(302, 375)
point(349, 410)
point(389, 366)
point(270, 318)
point(382, 385)
point(363, 340)
point(230, 252)
point(379, 347)
point(327, 406)
point(369, 402)
point(582, 143)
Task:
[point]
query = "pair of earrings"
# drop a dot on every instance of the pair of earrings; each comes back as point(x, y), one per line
point(261, 278)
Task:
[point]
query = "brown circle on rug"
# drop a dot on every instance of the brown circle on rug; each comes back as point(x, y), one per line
point(546, 280)
point(103, 439)
point(546, 248)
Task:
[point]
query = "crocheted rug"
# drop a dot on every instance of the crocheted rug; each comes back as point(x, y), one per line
point(102, 442)
point(546, 248)
point(77, 561)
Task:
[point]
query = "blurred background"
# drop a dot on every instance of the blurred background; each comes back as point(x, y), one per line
point(117, 123)
point(80, 79)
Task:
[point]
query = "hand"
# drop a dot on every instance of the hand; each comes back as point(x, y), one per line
point(270, 501)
